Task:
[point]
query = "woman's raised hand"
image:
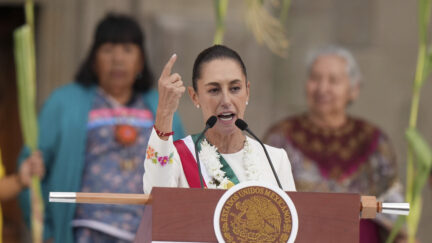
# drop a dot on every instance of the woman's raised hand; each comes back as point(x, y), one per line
point(171, 89)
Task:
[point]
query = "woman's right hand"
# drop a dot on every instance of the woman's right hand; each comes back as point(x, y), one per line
point(171, 88)
point(32, 166)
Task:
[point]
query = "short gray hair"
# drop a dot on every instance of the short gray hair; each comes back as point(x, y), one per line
point(353, 69)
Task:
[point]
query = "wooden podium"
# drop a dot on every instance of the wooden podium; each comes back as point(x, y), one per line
point(177, 214)
point(186, 215)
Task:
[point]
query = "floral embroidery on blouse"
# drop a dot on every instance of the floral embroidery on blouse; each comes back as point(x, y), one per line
point(150, 152)
point(162, 160)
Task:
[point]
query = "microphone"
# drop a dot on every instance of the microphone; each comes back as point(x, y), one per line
point(242, 125)
point(209, 124)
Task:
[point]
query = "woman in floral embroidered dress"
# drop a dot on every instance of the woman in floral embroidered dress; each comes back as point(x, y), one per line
point(332, 151)
point(93, 135)
point(220, 88)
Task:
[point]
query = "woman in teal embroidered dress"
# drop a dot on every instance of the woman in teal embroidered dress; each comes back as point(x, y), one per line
point(220, 88)
point(93, 135)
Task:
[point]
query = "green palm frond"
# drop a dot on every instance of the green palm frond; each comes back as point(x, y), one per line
point(221, 7)
point(286, 4)
point(25, 63)
point(266, 28)
point(419, 156)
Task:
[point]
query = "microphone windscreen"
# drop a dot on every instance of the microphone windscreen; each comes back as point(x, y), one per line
point(242, 125)
point(211, 121)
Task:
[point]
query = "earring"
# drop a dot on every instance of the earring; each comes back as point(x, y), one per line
point(247, 102)
point(197, 106)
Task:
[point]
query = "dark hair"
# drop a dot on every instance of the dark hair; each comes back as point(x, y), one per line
point(116, 29)
point(210, 54)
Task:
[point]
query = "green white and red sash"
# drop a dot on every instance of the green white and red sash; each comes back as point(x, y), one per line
point(186, 150)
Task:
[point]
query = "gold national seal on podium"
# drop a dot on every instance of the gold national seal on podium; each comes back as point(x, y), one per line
point(255, 212)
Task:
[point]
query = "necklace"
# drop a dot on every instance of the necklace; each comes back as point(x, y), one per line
point(124, 134)
point(211, 159)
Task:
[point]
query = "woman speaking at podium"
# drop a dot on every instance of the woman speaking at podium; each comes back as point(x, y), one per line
point(219, 88)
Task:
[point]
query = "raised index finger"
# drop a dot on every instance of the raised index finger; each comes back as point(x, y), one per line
point(168, 66)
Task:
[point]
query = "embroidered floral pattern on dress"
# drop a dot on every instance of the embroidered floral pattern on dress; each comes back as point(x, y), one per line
point(150, 152)
point(162, 160)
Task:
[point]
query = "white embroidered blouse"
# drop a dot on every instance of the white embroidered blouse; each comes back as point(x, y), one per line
point(163, 167)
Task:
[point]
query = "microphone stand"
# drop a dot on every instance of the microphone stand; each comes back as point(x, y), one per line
point(244, 127)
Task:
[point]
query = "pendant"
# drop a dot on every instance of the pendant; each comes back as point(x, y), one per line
point(126, 134)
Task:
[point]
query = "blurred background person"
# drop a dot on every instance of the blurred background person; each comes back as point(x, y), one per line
point(331, 151)
point(11, 185)
point(93, 135)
